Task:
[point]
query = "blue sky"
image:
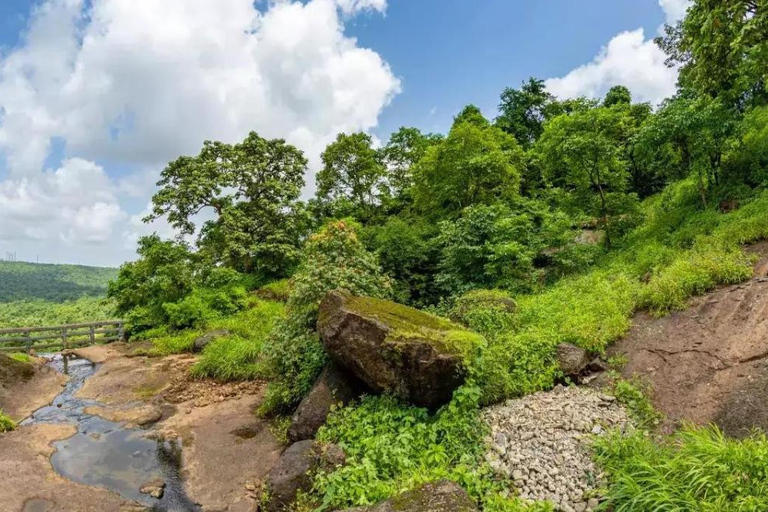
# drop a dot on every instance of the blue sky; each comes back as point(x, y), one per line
point(96, 96)
point(453, 52)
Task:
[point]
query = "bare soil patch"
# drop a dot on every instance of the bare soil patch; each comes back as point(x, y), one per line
point(29, 482)
point(708, 363)
point(24, 388)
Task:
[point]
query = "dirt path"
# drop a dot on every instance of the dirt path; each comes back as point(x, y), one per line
point(708, 363)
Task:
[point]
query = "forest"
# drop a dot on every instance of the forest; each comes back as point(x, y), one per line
point(579, 212)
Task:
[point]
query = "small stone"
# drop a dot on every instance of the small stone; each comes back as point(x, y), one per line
point(250, 486)
point(593, 503)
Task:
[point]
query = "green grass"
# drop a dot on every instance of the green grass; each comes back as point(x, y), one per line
point(6, 423)
point(696, 470)
point(21, 357)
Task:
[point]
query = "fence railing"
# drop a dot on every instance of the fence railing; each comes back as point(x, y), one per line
point(26, 339)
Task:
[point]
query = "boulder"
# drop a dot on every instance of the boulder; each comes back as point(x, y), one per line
point(441, 496)
point(291, 474)
point(573, 361)
point(332, 388)
point(393, 348)
point(203, 341)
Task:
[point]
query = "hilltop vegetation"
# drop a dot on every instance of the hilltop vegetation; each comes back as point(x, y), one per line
point(54, 283)
point(34, 294)
point(579, 213)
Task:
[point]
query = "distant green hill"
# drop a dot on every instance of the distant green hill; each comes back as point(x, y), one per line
point(20, 281)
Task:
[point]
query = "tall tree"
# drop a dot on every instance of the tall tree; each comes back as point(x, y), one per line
point(582, 153)
point(405, 148)
point(722, 46)
point(351, 176)
point(250, 188)
point(618, 95)
point(477, 163)
point(523, 111)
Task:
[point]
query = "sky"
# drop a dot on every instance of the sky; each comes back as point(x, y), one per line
point(97, 96)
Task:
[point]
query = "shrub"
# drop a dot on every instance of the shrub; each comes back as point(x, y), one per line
point(489, 312)
point(334, 259)
point(276, 290)
point(6, 423)
point(697, 469)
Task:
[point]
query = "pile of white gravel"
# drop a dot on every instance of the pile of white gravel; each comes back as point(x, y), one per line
point(542, 444)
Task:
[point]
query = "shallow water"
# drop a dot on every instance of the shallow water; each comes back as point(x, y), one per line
point(106, 454)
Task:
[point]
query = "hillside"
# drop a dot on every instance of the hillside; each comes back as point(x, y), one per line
point(21, 281)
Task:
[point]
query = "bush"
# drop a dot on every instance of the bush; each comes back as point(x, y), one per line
point(697, 469)
point(334, 259)
point(489, 312)
point(6, 423)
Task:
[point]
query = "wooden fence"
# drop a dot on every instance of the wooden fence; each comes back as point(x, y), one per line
point(26, 339)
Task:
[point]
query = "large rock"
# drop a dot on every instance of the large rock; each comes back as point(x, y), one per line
point(292, 472)
point(203, 341)
point(393, 348)
point(573, 361)
point(442, 496)
point(332, 388)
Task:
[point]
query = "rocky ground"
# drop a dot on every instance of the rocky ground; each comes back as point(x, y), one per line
point(708, 363)
point(227, 449)
point(541, 443)
point(22, 393)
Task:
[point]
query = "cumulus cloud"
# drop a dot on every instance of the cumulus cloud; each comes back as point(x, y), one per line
point(74, 203)
point(132, 84)
point(675, 9)
point(629, 59)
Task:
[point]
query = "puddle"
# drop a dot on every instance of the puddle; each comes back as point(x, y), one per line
point(106, 454)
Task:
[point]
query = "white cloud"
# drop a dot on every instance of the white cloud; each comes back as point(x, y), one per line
point(74, 204)
point(135, 83)
point(629, 59)
point(675, 9)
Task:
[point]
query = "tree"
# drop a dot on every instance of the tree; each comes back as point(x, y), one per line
point(689, 136)
point(523, 111)
point(722, 46)
point(477, 163)
point(351, 176)
point(403, 151)
point(251, 188)
point(582, 153)
point(618, 95)
point(164, 273)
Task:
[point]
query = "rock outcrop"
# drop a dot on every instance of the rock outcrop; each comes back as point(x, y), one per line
point(332, 388)
point(441, 496)
point(393, 348)
point(573, 361)
point(14, 372)
point(291, 474)
point(203, 341)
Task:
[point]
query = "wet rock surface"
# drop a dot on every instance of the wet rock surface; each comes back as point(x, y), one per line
point(441, 496)
point(394, 348)
point(541, 444)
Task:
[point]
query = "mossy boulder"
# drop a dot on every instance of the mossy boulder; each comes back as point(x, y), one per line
point(442, 496)
point(392, 348)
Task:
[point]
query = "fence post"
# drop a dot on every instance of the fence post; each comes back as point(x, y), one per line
point(93, 334)
point(29, 342)
point(120, 332)
point(64, 338)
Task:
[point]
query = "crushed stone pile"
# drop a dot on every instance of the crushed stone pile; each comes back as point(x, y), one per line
point(542, 444)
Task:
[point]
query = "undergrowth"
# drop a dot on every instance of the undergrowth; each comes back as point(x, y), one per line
point(696, 470)
point(6, 423)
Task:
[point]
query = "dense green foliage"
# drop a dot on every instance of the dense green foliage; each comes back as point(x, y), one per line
point(20, 281)
point(42, 313)
point(294, 356)
point(697, 469)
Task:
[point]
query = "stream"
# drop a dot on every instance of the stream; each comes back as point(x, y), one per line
point(107, 454)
